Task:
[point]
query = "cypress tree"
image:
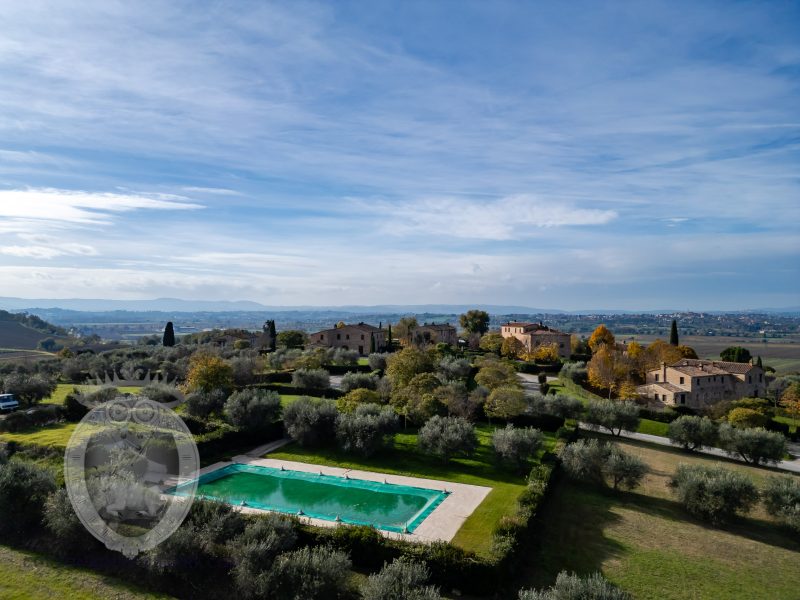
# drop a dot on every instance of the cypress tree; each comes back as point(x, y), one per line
point(389, 338)
point(273, 334)
point(169, 335)
point(372, 343)
point(673, 334)
point(759, 363)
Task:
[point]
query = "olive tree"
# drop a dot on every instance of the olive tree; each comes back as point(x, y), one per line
point(782, 500)
point(447, 436)
point(516, 445)
point(353, 380)
point(573, 587)
point(754, 446)
point(28, 389)
point(252, 409)
point(559, 405)
point(24, 488)
point(311, 423)
point(318, 573)
point(311, 378)
point(613, 415)
point(505, 402)
point(692, 432)
point(367, 429)
point(713, 493)
point(402, 579)
point(377, 361)
point(596, 461)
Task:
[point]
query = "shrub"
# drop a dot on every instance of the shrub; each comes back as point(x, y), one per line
point(559, 405)
point(28, 389)
point(377, 361)
point(244, 368)
point(254, 551)
point(613, 416)
point(505, 402)
point(747, 417)
point(161, 392)
point(447, 436)
point(69, 534)
point(452, 368)
point(311, 378)
point(311, 423)
point(354, 398)
point(309, 573)
point(782, 500)
point(208, 373)
point(353, 380)
point(596, 461)
point(202, 404)
point(253, 409)
point(692, 432)
point(754, 446)
point(345, 357)
point(24, 488)
point(74, 411)
point(403, 579)
point(572, 587)
point(575, 372)
point(713, 493)
point(516, 446)
point(367, 429)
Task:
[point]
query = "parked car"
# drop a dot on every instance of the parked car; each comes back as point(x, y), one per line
point(8, 403)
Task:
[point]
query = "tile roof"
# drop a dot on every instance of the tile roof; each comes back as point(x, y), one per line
point(664, 385)
point(699, 367)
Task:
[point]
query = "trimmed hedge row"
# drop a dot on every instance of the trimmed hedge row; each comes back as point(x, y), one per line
point(331, 393)
point(225, 439)
point(542, 422)
point(536, 368)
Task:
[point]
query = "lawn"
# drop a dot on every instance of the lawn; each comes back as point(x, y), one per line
point(646, 543)
point(56, 435)
point(653, 427)
point(29, 576)
point(407, 459)
point(570, 388)
point(62, 389)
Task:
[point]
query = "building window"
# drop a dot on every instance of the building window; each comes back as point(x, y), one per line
point(347, 336)
point(760, 377)
point(683, 398)
point(362, 336)
point(681, 379)
point(749, 379)
point(664, 397)
point(656, 376)
point(338, 336)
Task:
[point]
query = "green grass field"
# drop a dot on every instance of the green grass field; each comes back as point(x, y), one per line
point(646, 543)
point(28, 576)
point(407, 459)
point(62, 389)
point(52, 436)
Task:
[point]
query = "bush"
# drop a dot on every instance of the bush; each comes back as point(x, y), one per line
point(754, 446)
point(575, 372)
point(572, 587)
point(367, 429)
point(354, 398)
point(161, 393)
point(782, 500)
point(24, 488)
point(311, 423)
point(352, 381)
point(311, 379)
point(596, 461)
point(559, 405)
point(692, 432)
point(255, 550)
point(202, 404)
point(613, 416)
point(253, 409)
point(74, 411)
point(505, 402)
point(747, 417)
point(403, 579)
point(447, 436)
point(309, 573)
point(377, 361)
point(452, 368)
point(69, 535)
point(28, 389)
point(516, 446)
point(713, 493)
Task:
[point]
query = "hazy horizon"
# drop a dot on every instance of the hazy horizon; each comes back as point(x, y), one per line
point(511, 153)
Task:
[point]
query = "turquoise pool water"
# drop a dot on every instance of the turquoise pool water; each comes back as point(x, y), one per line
point(386, 506)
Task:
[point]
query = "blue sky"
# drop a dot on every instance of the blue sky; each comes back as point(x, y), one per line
point(636, 155)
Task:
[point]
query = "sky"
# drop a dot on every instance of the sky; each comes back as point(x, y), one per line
point(581, 155)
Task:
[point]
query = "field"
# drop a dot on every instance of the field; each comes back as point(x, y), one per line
point(62, 389)
point(406, 459)
point(15, 335)
point(783, 354)
point(27, 576)
point(644, 542)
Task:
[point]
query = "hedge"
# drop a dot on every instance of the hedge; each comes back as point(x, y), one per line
point(543, 422)
point(225, 439)
point(536, 368)
point(331, 393)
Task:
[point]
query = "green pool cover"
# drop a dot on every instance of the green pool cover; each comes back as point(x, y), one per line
point(386, 506)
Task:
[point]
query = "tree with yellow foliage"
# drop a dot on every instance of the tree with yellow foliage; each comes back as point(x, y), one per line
point(607, 369)
point(659, 351)
point(512, 348)
point(208, 372)
point(790, 400)
point(546, 353)
point(601, 336)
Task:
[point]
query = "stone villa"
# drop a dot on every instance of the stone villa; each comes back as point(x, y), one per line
point(361, 337)
point(533, 335)
point(434, 333)
point(699, 383)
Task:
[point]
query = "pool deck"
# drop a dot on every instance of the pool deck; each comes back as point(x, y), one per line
point(441, 525)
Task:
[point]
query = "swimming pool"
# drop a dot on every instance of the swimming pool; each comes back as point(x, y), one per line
point(387, 506)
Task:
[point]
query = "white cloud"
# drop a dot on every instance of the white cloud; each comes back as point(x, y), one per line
point(512, 217)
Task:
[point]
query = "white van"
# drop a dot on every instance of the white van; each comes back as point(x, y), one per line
point(8, 403)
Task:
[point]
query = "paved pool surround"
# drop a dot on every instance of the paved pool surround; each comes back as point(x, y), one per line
point(440, 523)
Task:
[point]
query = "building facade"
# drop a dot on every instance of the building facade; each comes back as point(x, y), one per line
point(434, 333)
point(361, 337)
point(534, 335)
point(700, 383)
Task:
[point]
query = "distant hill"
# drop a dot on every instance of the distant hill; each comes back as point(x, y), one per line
point(24, 332)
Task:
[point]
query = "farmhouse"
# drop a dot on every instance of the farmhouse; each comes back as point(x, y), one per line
point(533, 335)
point(699, 383)
point(434, 333)
point(361, 337)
